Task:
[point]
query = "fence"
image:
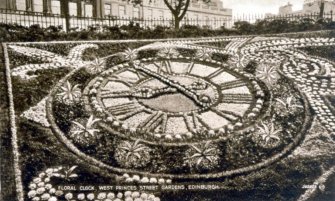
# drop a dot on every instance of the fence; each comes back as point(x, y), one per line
point(26, 18)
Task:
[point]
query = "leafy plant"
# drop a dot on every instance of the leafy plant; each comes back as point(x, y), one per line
point(84, 133)
point(69, 94)
point(267, 136)
point(203, 157)
point(67, 174)
point(287, 105)
point(132, 154)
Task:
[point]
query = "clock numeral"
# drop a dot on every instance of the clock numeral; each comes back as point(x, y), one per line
point(237, 98)
point(153, 121)
point(216, 73)
point(190, 67)
point(125, 81)
point(230, 116)
point(139, 74)
point(198, 122)
point(125, 110)
point(164, 66)
point(188, 123)
point(232, 84)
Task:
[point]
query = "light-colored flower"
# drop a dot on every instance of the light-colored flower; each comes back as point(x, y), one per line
point(96, 66)
point(267, 136)
point(68, 196)
point(267, 74)
point(88, 127)
point(203, 156)
point(69, 94)
point(130, 54)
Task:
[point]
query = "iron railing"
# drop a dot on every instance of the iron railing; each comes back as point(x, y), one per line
point(26, 18)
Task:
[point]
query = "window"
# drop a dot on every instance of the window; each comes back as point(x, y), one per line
point(136, 12)
point(122, 10)
point(150, 13)
point(88, 10)
point(161, 14)
point(107, 9)
point(55, 7)
point(38, 6)
point(207, 20)
point(21, 4)
point(72, 9)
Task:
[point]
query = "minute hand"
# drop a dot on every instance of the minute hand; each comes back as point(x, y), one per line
point(186, 91)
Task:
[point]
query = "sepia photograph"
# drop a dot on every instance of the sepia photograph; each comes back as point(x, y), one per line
point(167, 100)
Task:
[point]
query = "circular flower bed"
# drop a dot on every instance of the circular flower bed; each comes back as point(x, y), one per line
point(179, 117)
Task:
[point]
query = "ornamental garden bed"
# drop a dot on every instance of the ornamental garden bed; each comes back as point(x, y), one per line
point(242, 112)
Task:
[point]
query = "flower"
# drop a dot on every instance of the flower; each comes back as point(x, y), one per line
point(84, 133)
point(81, 196)
point(32, 193)
point(90, 196)
point(69, 94)
point(132, 154)
point(267, 135)
point(130, 54)
point(68, 196)
point(267, 74)
point(96, 66)
point(53, 199)
point(203, 156)
point(168, 52)
point(101, 196)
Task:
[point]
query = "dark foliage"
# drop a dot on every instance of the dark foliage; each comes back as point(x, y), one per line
point(15, 32)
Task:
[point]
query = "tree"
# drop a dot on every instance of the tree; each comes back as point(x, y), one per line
point(322, 8)
point(178, 8)
point(65, 13)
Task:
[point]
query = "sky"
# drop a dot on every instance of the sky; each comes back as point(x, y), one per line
point(259, 6)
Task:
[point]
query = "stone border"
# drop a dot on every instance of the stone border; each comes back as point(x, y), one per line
point(13, 128)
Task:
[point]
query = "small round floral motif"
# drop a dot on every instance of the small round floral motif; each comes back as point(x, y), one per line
point(168, 52)
point(69, 94)
point(96, 66)
point(203, 157)
point(132, 154)
point(267, 73)
point(267, 136)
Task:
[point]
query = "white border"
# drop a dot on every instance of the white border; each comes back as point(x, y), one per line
point(13, 129)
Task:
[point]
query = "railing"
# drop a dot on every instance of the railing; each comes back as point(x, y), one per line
point(26, 18)
point(313, 16)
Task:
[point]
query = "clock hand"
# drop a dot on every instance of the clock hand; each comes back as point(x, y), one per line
point(188, 91)
point(139, 93)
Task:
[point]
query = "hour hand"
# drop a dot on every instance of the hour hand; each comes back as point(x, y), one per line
point(144, 92)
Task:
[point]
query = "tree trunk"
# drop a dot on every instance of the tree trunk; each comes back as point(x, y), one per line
point(177, 22)
point(65, 13)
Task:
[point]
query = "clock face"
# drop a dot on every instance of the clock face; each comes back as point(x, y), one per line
point(175, 98)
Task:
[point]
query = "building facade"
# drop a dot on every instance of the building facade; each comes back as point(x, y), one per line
point(154, 9)
point(309, 6)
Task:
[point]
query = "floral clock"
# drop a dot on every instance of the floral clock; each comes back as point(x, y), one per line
point(176, 117)
point(173, 99)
